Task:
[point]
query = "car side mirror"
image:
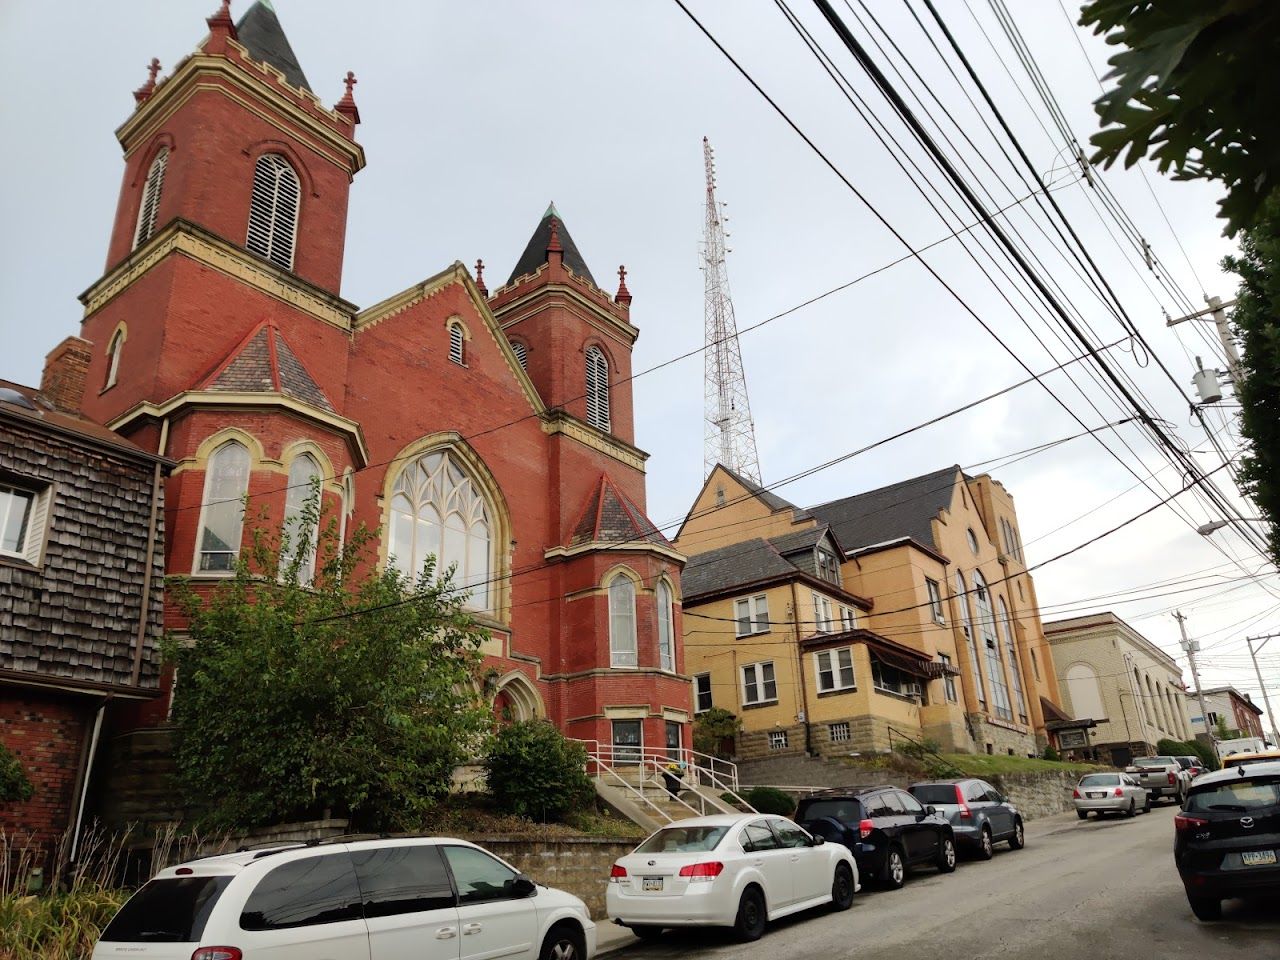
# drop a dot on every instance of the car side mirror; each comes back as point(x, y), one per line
point(522, 887)
point(817, 841)
point(931, 810)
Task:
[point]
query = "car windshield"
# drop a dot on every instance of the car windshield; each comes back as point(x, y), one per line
point(1236, 796)
point(1154, 761)
point(1100, 780)
point(845, 810)
point(683, 840)
point(172, 910)
point(935, 793)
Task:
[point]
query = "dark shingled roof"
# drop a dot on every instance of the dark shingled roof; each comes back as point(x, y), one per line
point(800, 540)
point(770, 499)
point(260, 32)
point(610, 517)
point(264, 363)
point(733, 566)
point(890, 513)
point(535, 252)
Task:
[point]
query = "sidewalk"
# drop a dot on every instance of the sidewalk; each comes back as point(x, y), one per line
point(610, 937)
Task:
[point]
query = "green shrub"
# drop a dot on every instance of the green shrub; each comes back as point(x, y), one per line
point(533, 771)
point(919, 749)
point(714, 730)
point(1185, 748)
point(1050, 753)
point(770, 800)
point(14, 785)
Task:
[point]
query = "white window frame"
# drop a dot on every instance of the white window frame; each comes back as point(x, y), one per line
point(295, 502)
point(934, 591)
point(828, 566)
point(457, 344)
point(778, 740)
point(755, 684)
point(273, 213)
point(848, 618)
point(149, 205)
point(834, 664)
point(823, 614)
point(753, 613)
point(839, 732)
point(209, 502)
point(623, 647)
point(949, 681)
point(522, 354)
point(35, 518)
point(698, 693)
point(597, 376)
point(114, 348)
point(666, 626)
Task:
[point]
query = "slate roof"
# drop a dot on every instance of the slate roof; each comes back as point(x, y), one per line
point(263, 362)
point(899, 510)
point(770, 499)
point(535, 251)
point(610, 517)
point(728, 567)
point(800, 540)
point(260, 32)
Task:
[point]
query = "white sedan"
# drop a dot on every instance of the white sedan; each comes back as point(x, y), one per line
point(737, 871)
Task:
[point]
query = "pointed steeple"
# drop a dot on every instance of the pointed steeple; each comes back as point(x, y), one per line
point(260, 32)
point(536, 251)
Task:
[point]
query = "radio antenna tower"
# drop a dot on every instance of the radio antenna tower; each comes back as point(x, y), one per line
point(730, 434)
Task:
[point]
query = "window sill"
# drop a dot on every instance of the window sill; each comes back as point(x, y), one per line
point(753, 633)
point(905, 697)
point(837, 692)
point(760, 703)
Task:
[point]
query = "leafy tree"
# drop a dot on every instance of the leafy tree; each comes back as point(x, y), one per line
point(714, 730)
point(352, 693)
point(1195, 85)
point(535, 771)
point(1255, 316)
point(14, 785)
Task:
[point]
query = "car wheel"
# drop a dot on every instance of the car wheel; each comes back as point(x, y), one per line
point(986, 849)
point(842, 888)
point(564, 942)
point(894, 874)
point(1207, 909)
point(1133, 808)
point(1146, 807)
point(750, 922)
point(1082, 814)
point(1019, 838)
point(947, 855)
point(647, 932)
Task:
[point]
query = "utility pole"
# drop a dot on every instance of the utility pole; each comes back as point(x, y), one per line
point(729, 432)
point(1219, 311)
point(1190, 646)
point(1253, 655)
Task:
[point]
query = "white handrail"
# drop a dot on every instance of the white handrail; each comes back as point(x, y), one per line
point(722, 771)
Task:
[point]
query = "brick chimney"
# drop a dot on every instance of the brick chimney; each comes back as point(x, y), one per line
point(66, 370)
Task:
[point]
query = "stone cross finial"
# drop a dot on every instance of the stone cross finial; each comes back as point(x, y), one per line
point(623, 296)
point(484, 291)
point(350, 80)
point(144, 92)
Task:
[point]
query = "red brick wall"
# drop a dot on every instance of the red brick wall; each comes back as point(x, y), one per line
point(46, 732)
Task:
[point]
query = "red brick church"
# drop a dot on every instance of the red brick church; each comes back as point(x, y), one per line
point(491, 428)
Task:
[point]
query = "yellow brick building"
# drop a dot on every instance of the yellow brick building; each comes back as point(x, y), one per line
point(836, 629)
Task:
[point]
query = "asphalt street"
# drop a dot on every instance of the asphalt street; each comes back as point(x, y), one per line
point(1093, 890)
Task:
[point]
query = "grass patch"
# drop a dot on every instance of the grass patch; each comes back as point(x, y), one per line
point(55, 926)
point(989, 765)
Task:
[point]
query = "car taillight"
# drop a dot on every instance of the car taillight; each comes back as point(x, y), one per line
point(1075, 794)
point(1119, 791)
point(965, 813)
point(217, 953)
point(865, 828)
point(1172, 779)
point(617, 873)
point(702, 871)
point(1182, 823)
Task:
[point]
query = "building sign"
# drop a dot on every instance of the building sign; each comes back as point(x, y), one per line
point(1071, 739)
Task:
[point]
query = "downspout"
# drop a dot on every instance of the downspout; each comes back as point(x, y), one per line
point(804, 687)
point(85, 777)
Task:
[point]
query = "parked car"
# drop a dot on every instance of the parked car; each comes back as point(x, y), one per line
point(1193, 765)
point(1226, 837)
point(887, 829)
point(1239, 759)
point(980, 816)
point(1162, 777)
point(359, 900)
point(1109, 793)
point(738, 871)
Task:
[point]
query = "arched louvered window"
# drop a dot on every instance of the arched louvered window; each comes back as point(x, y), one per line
point(302, 517)
point(273, 210)
point(457, 344)
point(597, 388)
point(1011, 654)
point(521, 352)
point(666, 650)
point(150, 199)
point(437, 511)
point(226, 480)
point(622, 622)
point(113, 357)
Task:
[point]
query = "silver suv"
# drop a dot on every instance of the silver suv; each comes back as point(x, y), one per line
point(980, 815)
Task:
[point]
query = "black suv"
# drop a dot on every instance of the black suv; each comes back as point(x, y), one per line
point(1227, 840)
point(887, 829)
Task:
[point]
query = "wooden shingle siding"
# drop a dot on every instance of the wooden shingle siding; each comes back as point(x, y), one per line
point(75, 615)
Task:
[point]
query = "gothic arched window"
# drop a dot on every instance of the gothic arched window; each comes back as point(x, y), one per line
point(114, 350)
point(666, 649)
point(304, 477)
point(436, 510)
point(622, 621)
point(273, 210)
point(150, 199)
point(597, 388)
point(1015, 674)
point(226, 481)
point(991, 646)
point(975, 664)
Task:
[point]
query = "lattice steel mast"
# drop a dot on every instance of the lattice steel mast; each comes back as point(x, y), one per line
point(730, 434)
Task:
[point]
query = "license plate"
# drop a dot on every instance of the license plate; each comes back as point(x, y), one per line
point(654, 883)
point(1258, 858)
point(1096, 796)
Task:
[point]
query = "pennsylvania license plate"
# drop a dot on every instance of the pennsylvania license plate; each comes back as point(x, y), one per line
point(1258, 858)
point(1096, 796)
point(655, 883)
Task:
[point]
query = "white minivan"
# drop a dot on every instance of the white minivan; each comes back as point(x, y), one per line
point(423, 898)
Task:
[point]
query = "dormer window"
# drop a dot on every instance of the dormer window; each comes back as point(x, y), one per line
point(597, 388)
point(150, 199)
point(828, 566)
point(457, 344)
point(273, 210)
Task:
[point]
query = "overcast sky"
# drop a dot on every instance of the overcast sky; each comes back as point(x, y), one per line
point(478, 114)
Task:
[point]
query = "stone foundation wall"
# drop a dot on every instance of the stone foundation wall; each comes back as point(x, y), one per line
point(1038, 794)
point(754, 745)
point(1002, 738)
point(579, 865)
